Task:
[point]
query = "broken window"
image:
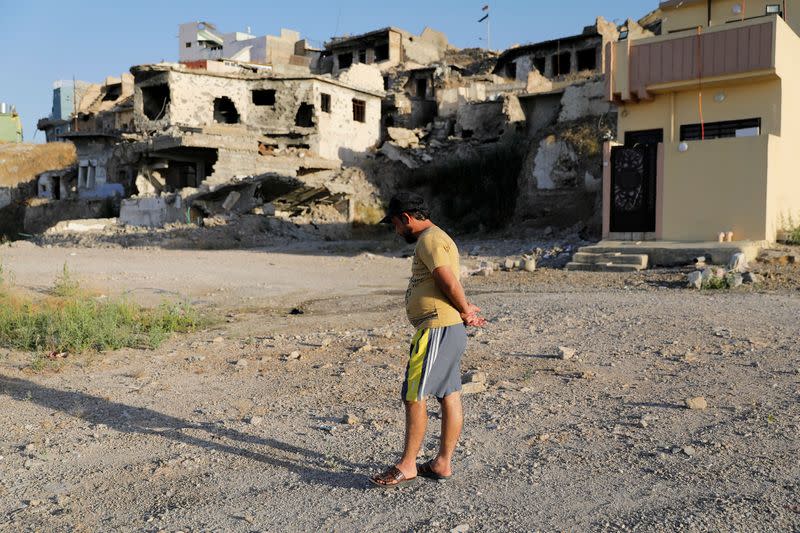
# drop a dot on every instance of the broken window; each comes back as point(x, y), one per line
point(155, 100)
point(422, 87)
point(587, 59)
point(562, 64)
point(540, 63)
point(382, 52)
point(345, 60)
point(224, 111)
point(113, 92)
point(359, 110)
point(362, 56)
point(305, 116)
point(325, 102)
point(264, 97)
point(511, 70)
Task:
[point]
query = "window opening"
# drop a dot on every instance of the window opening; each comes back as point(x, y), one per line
point(305, 116)
point(359, 110)
point(562, 64)
point(749, 127)
point(325, 102)
point(264, 97)
point(155, 100)
point(224, 111)
point(382, 52)
point(345, 60)
point(587, 59)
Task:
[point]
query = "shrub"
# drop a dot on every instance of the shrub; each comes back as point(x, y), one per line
point(74, 321)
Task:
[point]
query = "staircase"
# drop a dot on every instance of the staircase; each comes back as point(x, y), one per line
point(598, 261)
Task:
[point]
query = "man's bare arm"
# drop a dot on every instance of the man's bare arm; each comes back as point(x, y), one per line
point(448, 283)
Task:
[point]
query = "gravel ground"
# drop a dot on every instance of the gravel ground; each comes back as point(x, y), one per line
point(228, 430)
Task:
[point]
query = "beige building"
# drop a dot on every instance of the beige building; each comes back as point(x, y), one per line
point(708, 127)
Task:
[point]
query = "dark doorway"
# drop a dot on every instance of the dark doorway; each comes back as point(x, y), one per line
point(224, 111)
point(422, 87)
point(155, 100)
point(634, 168)
point(587, 59)
point(305, 116)
point(562, 64)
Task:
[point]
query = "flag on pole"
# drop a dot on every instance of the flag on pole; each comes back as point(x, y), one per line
point(486, 16)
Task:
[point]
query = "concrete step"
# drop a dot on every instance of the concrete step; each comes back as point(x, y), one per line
point(602, 267)
point(616, 258)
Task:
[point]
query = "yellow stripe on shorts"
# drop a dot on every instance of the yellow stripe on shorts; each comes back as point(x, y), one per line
point(420, 343)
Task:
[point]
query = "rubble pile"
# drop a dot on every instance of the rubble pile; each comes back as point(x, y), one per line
point(734, 275)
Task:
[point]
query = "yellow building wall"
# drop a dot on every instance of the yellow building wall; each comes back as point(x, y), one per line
point(760, 99)
point(717, 184)
point(696, 14)
point(783, 194)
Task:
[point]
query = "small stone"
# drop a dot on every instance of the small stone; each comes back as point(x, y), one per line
point(34, 503)
point(473, 388)
point(508, 264)
point(738, 263)
point(294, 355)
point(543, 437)
point(326, 342)
point(351, 420)
point(751, 278)
point(474, 377)
point(689, 450)
point(735, 281)
point(218, 339)
point(700, 259)
point(695, 280)
point(529, 265)
point(241, 364)
point(461, 528)
point(696, 403)
point(255, 420)
point(565, 353)
point(484, 272)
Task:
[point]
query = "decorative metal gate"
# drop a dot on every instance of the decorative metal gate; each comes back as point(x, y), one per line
point(633, 188)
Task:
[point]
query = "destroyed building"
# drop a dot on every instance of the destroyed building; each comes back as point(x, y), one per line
point(386, 48)
point(287, 52)
point(67, 98)
point(211, 126)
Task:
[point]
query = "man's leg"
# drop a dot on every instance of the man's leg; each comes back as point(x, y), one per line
point(452, 422)
point(416, 421)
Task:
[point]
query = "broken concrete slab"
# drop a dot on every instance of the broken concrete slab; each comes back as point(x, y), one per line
point(403, 137)
point(395, 153)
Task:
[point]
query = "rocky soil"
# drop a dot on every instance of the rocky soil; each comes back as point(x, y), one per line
point(272, 421)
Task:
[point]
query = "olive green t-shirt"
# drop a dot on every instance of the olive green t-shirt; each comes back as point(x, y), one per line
point(426, 304)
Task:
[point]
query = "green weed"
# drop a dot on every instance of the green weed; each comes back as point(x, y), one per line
point(74, 321)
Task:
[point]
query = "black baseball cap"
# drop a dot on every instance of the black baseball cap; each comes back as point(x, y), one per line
point(404, 202)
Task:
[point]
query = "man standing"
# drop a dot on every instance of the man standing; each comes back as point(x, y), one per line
point(437, 306)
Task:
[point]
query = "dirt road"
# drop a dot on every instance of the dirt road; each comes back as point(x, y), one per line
point(224, 430)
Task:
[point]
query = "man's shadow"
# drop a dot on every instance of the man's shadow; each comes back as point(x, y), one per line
point(127, 419)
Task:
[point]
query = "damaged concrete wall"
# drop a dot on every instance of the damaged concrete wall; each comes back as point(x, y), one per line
point(277, 107)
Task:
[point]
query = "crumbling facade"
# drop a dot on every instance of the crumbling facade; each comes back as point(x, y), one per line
point(386, 48)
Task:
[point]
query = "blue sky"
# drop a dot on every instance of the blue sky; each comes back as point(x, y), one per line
point(46, 40)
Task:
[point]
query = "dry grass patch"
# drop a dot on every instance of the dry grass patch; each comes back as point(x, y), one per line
point(21, 162)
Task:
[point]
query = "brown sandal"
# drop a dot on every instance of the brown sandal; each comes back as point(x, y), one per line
point(392, 477)
point(426, 470)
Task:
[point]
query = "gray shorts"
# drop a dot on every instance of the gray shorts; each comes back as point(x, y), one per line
point(434, 362)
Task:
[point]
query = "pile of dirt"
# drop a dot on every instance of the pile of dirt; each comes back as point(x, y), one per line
point(22, 162)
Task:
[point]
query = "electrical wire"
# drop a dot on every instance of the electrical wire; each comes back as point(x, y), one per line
point(700, 82)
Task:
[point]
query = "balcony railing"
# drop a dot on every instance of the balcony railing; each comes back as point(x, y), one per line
point(670, 62)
